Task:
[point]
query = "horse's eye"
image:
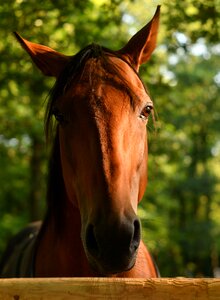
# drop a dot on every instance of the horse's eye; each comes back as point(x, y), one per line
point(146, 112)
point(59, 118)
point(58, 115)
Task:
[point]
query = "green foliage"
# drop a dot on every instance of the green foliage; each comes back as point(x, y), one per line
point(184, 166)
point(180, 212)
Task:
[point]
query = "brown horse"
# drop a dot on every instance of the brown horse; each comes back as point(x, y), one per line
point(98, 166)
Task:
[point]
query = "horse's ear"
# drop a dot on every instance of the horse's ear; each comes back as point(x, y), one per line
point(140, 47)
point(49, 61)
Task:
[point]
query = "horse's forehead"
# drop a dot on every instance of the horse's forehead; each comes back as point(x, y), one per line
point(130, 78)
point(99, 87)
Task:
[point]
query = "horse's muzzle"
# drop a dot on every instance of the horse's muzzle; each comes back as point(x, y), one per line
point(112, 248)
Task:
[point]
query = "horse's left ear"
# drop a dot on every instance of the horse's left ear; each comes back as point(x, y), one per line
point(49, 61)
point(140, 47)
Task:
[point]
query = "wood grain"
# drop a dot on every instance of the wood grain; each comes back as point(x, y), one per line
point(108, 288)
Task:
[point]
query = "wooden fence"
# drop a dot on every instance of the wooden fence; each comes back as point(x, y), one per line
point(107, 288)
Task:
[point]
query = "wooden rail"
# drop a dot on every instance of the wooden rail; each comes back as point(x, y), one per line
point(107, 288)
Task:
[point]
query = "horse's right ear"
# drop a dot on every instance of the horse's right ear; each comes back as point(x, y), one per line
point(49, 61)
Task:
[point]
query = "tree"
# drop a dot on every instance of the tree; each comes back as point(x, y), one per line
point(183, 153)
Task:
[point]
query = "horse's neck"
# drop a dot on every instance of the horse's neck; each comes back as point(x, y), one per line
point(60, 253)
point(60, 250)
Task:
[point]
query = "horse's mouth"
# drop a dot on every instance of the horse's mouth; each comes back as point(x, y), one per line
point(103, 268)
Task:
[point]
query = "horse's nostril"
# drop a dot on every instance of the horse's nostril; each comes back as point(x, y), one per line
point(137, 234)
point(91, 243)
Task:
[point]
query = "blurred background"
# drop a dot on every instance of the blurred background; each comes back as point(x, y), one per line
point(181, 209)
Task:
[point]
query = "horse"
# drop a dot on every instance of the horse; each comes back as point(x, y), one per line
point(96, 114)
